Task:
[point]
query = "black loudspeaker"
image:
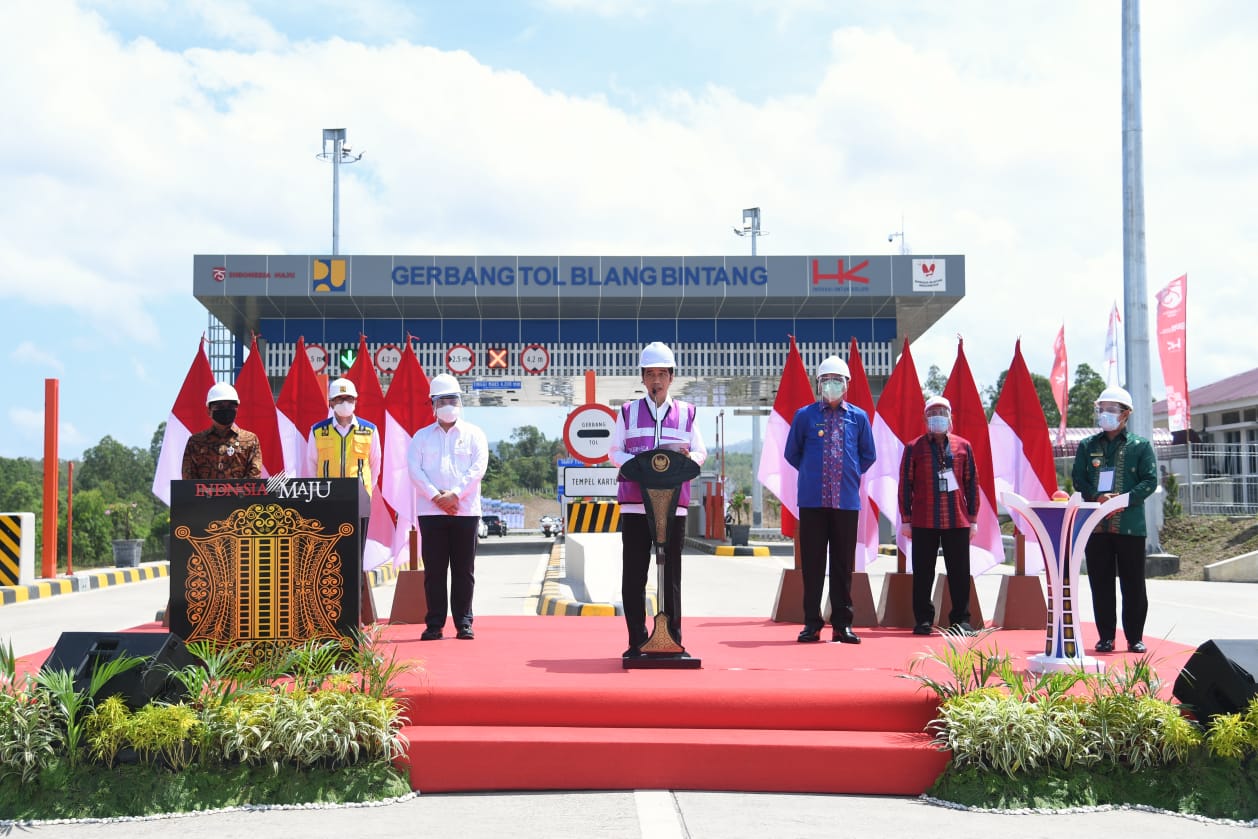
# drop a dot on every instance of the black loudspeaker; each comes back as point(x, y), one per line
point(1219, 678)
point(82, 652)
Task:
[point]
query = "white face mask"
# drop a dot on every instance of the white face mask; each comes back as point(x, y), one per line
point(448, 413)
point(344, 410)
point(938, 425)
point(832, 390)
point(1108, 420)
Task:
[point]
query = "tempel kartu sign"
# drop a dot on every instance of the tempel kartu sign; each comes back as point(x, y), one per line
point(588, 432)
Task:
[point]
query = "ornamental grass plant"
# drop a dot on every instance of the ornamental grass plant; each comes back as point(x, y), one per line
point(303, 724)
point(1080, 737)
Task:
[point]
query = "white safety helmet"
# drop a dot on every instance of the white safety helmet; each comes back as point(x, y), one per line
point(938, 400)
point(222, 392)
point(443, 385)
point(833, 365)
point(1114, 393)
point(657, 354)
point(341, 387)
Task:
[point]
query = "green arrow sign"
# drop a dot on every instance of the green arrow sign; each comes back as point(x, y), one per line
point(346, 358)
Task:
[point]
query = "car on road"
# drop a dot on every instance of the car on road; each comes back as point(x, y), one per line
point(482, 529)
point(550, 525)
point(494, 525)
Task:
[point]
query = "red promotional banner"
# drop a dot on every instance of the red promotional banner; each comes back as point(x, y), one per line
point(1059, 382)
point(1172, 350)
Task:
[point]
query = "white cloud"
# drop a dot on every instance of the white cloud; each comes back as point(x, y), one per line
point(993, 131)
point(27, 353)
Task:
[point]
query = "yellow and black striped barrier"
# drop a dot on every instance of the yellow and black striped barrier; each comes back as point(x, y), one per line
point(593, 517)
point(17, 548)
point(553, 602)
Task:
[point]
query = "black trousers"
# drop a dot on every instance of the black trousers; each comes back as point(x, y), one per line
point(1109, 554)
point(636, 554)
point(823, 533)
point(956, 551)
point(448, 545)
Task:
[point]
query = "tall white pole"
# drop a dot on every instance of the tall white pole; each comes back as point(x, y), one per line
point(336, 194)
point(1135, 284)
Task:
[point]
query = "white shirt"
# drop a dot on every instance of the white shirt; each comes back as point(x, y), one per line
point(454, 460)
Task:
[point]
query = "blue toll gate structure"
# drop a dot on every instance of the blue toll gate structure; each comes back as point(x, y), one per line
point(523, 330)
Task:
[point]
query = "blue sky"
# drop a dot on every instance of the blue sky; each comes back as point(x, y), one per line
point(144, 131)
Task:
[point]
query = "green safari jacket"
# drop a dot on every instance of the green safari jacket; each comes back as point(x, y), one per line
point(1135, 472)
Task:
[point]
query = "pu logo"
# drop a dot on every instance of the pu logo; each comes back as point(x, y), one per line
point(219, 273)
point(329, 275)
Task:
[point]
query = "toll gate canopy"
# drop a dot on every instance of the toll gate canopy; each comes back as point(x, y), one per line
point(523, 330)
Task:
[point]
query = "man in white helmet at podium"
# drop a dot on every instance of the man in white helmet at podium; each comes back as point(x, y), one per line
point(1110, 463)
point(655, 421)
point(224, 450)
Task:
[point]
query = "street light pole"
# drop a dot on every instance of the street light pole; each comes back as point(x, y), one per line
point(338, 154)
point(751, 226)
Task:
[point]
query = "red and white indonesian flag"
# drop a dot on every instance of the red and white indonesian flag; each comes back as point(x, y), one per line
point(378, 548)
point(257, 411)
point(899, 420)
point(1022, 458)
point(407, 408)
point(859, 394)
point(302, 403)
point(969, 420)
point(1111, 346)
point(186, 418)
point(1059, 382)
point(775, 474)
point(1172, 351)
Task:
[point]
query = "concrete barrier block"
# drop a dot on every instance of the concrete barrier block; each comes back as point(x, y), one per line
point(1238, 569)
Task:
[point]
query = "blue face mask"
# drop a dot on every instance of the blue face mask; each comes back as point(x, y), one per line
point(938, 425)
point(1108, 420)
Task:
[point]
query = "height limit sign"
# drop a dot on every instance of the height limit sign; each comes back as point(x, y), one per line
point(588, 432)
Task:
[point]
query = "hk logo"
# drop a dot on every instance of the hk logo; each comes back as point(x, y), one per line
point(220, 274)
point(841, 275)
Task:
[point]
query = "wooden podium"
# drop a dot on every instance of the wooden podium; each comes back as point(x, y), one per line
point(267, 561)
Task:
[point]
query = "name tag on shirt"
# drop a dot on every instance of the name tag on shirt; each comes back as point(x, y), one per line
point(1105, 481)
point(947, 481)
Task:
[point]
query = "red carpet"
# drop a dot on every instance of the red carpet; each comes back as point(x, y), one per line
point(537, 703)
point(542, 703)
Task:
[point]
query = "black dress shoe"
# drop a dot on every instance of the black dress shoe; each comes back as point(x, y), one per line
point(1105, 646)
point(845, 635)
point(431, 635)
point(962, 628)
point(809, 636)
point(1137, 647)
point(465, 633)
point(922, 628)
point(632, 652)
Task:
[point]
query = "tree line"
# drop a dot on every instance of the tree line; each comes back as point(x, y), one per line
point(113, 496)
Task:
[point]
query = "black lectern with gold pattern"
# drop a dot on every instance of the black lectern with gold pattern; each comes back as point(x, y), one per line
point(263, 561)
point(660, 474)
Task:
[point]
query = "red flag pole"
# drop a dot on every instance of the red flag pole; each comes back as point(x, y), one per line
point(70, 518)
point(51, 477)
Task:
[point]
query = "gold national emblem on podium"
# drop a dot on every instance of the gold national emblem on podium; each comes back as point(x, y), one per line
point(265, 574)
